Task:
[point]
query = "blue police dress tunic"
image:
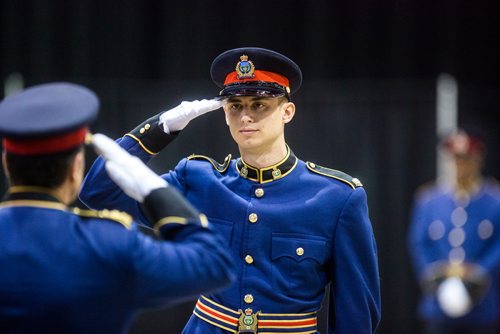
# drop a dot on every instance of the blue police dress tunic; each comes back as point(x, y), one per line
point(292, 228)
point(68, 270)
point(461, 231)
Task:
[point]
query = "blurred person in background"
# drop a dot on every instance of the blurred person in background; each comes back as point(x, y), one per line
point(67, 270)
point(454, 242)
point(292, 227)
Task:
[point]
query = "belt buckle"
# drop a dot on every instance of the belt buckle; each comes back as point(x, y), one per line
point(248, 322)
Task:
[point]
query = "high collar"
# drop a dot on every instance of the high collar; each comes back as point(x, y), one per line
point(268, 174)
point(31, 196)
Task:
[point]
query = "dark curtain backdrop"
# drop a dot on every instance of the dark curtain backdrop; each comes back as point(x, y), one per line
point(367, 105)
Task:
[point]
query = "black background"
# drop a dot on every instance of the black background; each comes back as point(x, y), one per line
point(367, 104)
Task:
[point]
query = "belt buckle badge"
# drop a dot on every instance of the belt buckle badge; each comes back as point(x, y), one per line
point(248, 322)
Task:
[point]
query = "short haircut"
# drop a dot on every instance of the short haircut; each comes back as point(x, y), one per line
point(47, 171)
point(283, 99)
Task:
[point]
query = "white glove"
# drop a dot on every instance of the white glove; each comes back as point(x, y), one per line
point(177, 118)
point(453, 298)
point(127, 171)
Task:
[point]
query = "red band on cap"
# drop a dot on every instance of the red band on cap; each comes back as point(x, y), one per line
point(259, 75)
point(46, 145)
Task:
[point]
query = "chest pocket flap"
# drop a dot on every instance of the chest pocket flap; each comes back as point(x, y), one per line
point(299, 247)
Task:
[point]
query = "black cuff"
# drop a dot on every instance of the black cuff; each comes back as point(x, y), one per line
point(151, 136)
point(167, 205)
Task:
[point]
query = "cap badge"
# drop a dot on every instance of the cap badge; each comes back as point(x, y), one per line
point(245, 68)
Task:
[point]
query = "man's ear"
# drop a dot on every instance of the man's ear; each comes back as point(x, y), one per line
point(77, 167)
point(225, 115)
point(288, 112)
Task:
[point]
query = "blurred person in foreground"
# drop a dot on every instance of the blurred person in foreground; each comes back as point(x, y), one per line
point(67, 270)
point(454, 241)
point(292, 227)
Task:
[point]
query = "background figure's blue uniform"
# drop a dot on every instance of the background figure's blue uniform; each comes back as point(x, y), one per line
point(75, 271)
point(290, 236)
point(447, 229)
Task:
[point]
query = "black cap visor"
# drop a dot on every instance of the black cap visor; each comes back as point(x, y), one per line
point(253, 88)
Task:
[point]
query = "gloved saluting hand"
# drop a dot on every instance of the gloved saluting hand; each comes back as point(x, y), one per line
point(127, 171)
point(158, 131)
point(177, 118)
point(145, 186)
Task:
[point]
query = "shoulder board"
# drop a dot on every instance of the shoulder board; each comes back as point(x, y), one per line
point(221, 168)
point(335, 174)
point(114, 215)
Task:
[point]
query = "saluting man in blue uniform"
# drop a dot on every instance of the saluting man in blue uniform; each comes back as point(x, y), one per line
point(454, 241)
point(292, 227)
point(66, 270)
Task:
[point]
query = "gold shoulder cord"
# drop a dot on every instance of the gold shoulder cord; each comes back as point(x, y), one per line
point(335, 174)
point(221, 168)
point(114, 215)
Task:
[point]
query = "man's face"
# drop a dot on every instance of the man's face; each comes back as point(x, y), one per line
point(468, 165)
point(257, 123)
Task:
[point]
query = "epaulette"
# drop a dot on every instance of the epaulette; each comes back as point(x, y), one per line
point(335, 174)
point(114, 215)
point(221, 168)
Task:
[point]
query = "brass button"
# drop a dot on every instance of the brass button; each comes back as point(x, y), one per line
point(248, 299)
point(259, 192)
point(253, 218)
point(276, 173)
point(142, 130)
point(147, 126)
point(299, 251)
point(249, 259)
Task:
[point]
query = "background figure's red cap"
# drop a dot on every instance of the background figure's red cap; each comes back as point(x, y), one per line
point(462, 143)
point(47, 118)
